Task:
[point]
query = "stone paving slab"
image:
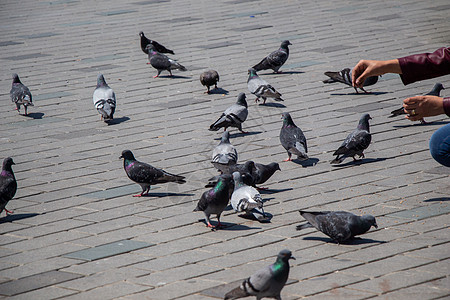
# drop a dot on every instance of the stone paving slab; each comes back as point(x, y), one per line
point(74, 195)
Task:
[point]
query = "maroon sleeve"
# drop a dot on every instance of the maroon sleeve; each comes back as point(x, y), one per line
point(425, 66)
point(447, 106)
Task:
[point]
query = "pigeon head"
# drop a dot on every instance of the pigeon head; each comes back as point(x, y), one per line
point(285, 44)
point(438, 87)
point(274, 166)
point(151, 48)
point(101, 80)
point(237, 179)
point(127, 155)
point(241, 99)
point(225, 137)
point(287, 120)
point(7, 163)
point(141, 34)
point(285, 255)
point(249, 166)
point(364, 122)
point(15, 78)
point(370, 220)
point(252, 72)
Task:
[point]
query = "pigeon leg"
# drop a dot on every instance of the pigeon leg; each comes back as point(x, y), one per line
point(207, 92)
point(289, 157)
point(362, 89)
point(8, 212)
point(215, 86)
point(170, 72)
point(257, 100)
point(25, 110)
point(264, 102)
point(422, 121)
point(157, 75)
point(219, 225)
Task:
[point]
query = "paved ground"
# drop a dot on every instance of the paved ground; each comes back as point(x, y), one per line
point(73, 193)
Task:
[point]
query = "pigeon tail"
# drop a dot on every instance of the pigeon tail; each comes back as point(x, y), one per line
point(303, 226)
point(338, 159)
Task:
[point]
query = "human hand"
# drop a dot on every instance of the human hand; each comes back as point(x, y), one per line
point(419, 107)
point(366, 68)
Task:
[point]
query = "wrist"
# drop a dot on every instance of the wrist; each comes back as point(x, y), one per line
point(446, 105)
point(392, 66)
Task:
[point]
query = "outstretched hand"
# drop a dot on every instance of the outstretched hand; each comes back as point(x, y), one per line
point(365, 68)
point(419, 107)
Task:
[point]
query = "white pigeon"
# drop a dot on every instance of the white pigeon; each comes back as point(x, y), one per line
point(104, 99)
point(247, 199)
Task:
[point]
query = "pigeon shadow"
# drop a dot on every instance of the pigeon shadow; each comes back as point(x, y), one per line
point(354, 241)
point(228, 226)
point(160, 195)
point(218, 91)
point(274, 191)
point(417, 123)
point(310, 162)
point(250, 216)
point(283, 72)
point(34, 115)
point(16, 217)
point(273, 104)
point(361, 93)
point(360, 162)
point(441, 199)
point(117, 120)
point(175, 77)
point(240, 134)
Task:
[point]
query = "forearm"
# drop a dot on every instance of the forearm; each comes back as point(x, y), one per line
point(446, 104)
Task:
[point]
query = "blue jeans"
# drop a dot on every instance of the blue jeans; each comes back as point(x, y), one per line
point(440, 145)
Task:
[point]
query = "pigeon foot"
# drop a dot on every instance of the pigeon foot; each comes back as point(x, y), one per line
point(8, 212)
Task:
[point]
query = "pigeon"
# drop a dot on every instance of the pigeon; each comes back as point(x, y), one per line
point(233, 116)
point(8, 184)
point(247, 171)
point(215, 200)
point(436, 91)
point(356, 142)
point(267, 282)
point(104, 99)
point(264, 172)
point(225, 154)
point(247, 199)
point(261, 88)
point(209, 78)
point(20, 94)
point(345, 76)
point(293, 139)
point(146, 175)
point(158, 47)
point(161, 62)
point(338, 225)
point(275, 59)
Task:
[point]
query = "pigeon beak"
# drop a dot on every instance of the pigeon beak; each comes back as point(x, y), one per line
point(375, 225)
point(292, 258)
point(120, 157)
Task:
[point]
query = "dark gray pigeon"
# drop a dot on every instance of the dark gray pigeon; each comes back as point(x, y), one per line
point(436, 91)
point(275, 59)
point(293, 139)
point(161, 62)
point(233, 116)
point(338, 225)
point(215, 200)
point(345, 76)
point(261, 88)
point(247, 199)
point(158, 47)
point(356, 142)
point(267, 282)
point(264, 172)
point(104, 99)
point(224, 154)
point(20, 94)
point(209, 78)
point(146, 175)
point(8, 184)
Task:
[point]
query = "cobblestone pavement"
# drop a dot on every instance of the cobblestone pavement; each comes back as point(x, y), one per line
point(76, 231)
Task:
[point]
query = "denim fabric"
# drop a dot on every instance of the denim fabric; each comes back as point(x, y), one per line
point(440, 145)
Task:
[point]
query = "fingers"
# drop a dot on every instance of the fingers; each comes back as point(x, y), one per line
point(359, 69)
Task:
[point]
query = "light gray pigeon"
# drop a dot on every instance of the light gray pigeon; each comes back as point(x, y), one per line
point(293, 139)
point(247, 199)
point(356, 142)
point(345, 76)
point(209, 78)
point(267, 282)
point(20, 94)
point(215, 200)
point(261, 88)
point(436, 91)
point(161, 62)
point(158, 47)
point(275, 59)
point(8, 184)
point(224, 154)
point(104, 99)
point(338, 225)
point(233, 116)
